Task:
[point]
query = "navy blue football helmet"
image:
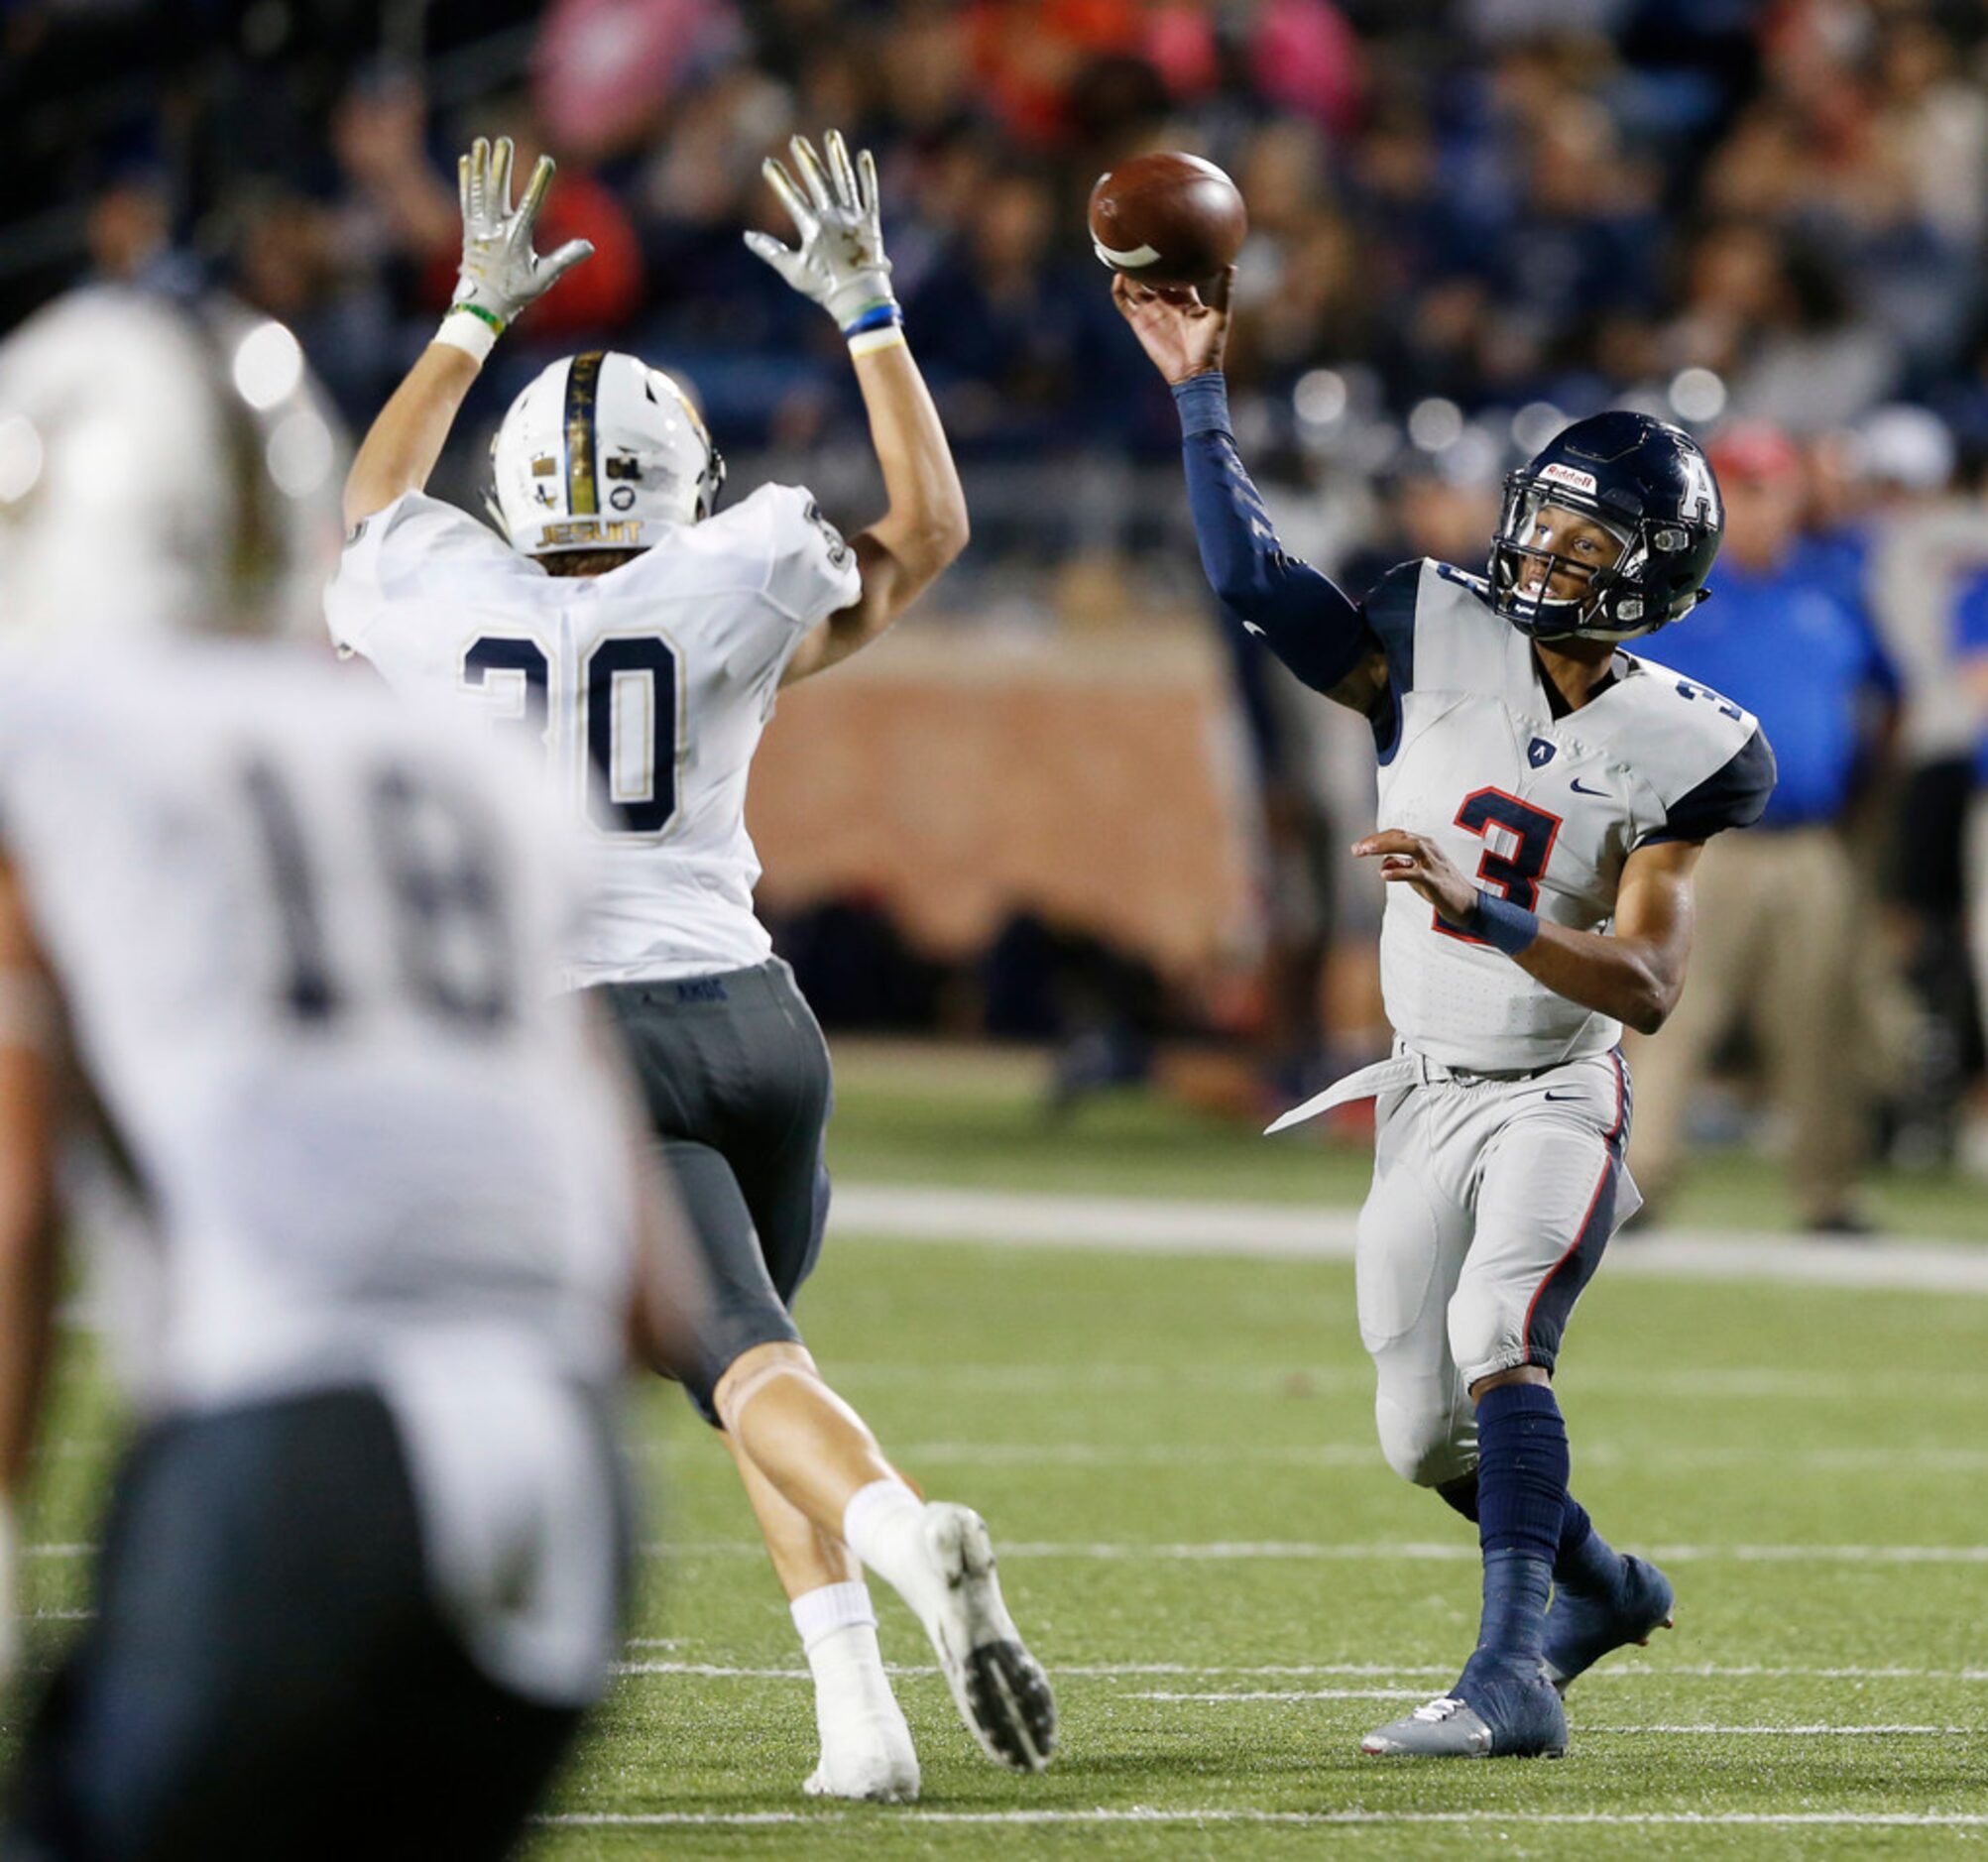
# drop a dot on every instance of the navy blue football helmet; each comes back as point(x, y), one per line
point(1651, 485)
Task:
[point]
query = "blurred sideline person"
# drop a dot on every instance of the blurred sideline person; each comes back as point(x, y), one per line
point(1971, 671)
point(1544, 796)
point(640, 641)
point(273, 948)
point(1929, 533)
point(1782, 919)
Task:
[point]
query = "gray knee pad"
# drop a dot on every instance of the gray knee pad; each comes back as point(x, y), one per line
point(1423, 1440)
point(1488, 1334)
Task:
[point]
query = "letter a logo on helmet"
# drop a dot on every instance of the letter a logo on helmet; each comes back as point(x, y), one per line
point(598, 453)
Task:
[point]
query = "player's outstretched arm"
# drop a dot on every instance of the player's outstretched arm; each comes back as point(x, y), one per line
point(1305, 620)
point(30, 1058)
point(1634, 973)
point(500, 275)
point(840, 264)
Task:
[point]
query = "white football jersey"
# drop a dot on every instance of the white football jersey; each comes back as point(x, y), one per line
point(1542, 810)
point(306, 942)
point(647, 689)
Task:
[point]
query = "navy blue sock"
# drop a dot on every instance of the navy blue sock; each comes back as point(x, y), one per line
point(1586, 1564)
point(1522, 1470)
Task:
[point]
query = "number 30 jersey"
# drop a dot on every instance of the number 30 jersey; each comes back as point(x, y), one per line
point(1540, 809)
point(305, 940)
point(645, 690)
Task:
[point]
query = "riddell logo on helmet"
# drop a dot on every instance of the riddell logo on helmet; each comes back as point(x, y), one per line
point(623, 532)
point(1572, 475)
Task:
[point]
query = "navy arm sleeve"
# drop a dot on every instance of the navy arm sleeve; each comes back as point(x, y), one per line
point(1734, 795)
point(1302, 617)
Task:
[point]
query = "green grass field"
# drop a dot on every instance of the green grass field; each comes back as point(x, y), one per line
point(1229, 1586)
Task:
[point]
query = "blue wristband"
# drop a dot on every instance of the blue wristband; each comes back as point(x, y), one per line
point(1202, 402)
point(877, 316)
point(1502, 925)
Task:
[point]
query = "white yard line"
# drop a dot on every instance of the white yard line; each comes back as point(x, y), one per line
point(1380, 1670)
point(1256, 1697)
point(1816, 1731)
point(1459, 1552)
point(1630, 1820)
point(1902, 1460)
point(1273, 1230)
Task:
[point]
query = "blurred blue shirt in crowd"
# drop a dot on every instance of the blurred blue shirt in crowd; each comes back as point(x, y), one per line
point(1804, 659)
point(1970, 643)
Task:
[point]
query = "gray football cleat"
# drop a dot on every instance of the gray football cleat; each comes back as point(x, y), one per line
point(1509, 1716)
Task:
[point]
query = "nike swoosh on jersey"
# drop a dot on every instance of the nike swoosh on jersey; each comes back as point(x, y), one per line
point(1566, 1096)
point(1579, 790)
point(1250, 627)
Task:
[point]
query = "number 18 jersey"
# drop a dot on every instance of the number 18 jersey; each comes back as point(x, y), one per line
point(306, 940)
point(645, 690)
point(1542, 810)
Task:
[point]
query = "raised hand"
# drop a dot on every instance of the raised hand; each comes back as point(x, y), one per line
point(840, 262)
point(500, 274)
point(1183, 331)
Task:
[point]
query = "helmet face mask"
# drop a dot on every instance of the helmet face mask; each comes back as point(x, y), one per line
point(598, 453)
point(1552, 591)
point(1646, 485)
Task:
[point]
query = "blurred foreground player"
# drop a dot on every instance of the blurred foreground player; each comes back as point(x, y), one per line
point(638, 642)
point(1544, 796)
point(390, 1224)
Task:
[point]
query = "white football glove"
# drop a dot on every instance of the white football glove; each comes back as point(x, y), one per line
point(841, 262)
point(500, 274)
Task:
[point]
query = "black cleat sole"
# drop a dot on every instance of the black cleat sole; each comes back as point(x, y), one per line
point(1009, 1699)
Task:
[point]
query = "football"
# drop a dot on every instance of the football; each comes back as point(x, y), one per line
point(1167, 219)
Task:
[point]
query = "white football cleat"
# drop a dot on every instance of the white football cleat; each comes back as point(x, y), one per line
point(866, 1760)
point(1000, 1687)
point(866, 1753)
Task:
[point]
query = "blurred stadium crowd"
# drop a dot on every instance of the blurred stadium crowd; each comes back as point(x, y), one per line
point(1470, 220)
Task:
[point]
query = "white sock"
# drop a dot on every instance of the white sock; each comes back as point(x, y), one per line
point(819, 1615)
point(837, 1629)
point(865, 1742)
point(884, 1525)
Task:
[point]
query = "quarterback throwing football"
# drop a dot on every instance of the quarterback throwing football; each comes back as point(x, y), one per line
point(1544, 795)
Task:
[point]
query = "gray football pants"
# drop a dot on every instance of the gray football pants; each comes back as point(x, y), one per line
point(1491, 1204)
point(735, 1076)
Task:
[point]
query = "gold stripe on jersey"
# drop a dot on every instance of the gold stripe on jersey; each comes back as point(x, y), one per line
point(583, 382)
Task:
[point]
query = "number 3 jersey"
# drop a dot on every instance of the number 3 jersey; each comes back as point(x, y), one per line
point(1540, 809)
point(647, 689)
point(306, 942)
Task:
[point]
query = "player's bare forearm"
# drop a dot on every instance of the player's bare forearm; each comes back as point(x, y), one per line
point(402, 447)
point(924, 527)
point(1636, 972)
point(1633, 973)
point(1633, 980)
point(29, 1063)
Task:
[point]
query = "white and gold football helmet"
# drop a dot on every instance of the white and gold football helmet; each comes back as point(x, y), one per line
point(599, 452)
